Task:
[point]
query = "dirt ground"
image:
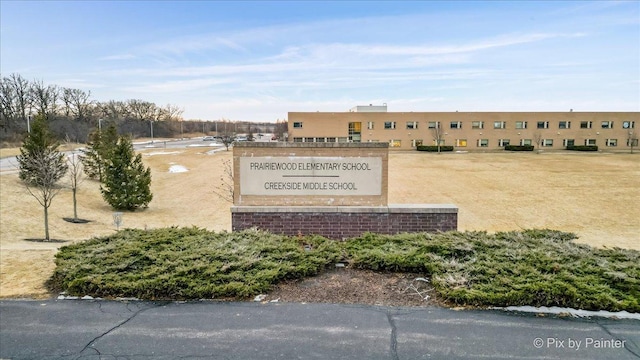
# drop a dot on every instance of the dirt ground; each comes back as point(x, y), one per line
point(594, 195)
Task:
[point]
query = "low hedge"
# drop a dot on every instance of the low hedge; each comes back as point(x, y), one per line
point(519, 147)
point(535, 267)
point(583, 147)
point(433, 148)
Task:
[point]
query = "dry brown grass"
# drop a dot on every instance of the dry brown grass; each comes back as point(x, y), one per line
point(593, 195)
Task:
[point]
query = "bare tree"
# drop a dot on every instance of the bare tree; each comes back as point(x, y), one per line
point(141, 110)
point(77, 102)
point(15, 101)
point(438, 135)
point(280, 129)
point(76, 177)
point(45, 98)
point(225, 189)
point(41, 166)
point(537, 138)
point(171, 113)
point(632, 140)
point(226, 133)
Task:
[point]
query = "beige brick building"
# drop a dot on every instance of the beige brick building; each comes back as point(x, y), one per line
point(468, 131)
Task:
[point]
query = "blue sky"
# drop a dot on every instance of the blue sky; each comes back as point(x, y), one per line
point(258, 60)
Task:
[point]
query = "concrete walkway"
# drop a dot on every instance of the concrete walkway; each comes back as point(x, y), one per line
point(81, 329)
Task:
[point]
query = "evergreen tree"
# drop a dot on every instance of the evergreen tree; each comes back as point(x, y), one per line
point(41, 166)
point(126, 181)
point(99, 149)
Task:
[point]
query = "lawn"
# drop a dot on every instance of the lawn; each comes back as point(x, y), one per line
point(591, 195)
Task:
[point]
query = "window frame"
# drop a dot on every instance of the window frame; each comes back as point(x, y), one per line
point(586, 124)
point(521, 125)
point(606, 124)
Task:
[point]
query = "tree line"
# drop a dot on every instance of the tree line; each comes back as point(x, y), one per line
point(72, 113)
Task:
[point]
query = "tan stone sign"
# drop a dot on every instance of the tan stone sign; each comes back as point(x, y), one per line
point(311, 175)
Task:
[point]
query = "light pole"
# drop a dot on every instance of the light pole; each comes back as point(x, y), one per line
point(151, 123)
point(28, 124)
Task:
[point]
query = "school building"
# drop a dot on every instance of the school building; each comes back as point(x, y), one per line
point(467, 131)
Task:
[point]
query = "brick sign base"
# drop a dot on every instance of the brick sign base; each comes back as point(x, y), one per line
point(340, 222)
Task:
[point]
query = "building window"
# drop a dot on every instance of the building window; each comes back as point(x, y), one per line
point(503, 142)
point(343, 139)
point(389, 124)
point(483, 142)
point(355, 132)
point(499, 125)
point(416, 142)
point(546, 142)
point(612, 142)
point(297, 125)
point(477, 125)
point(331, 139)
point(564, 125)
point(568, 142)
point(412, 125)
point(456, 125)
point(585, 124)
point(521, 124)
point(297, 139)
point(524, 142)
point(632, 142)
point(435, 142)
point(543, 125)
point(434, 124)
point(590, 141)
point(461, 142)
point(370, 125)
point(607, 124)
point(628, 124)
point(395, 143)
point(321, 139)
point(309, 139)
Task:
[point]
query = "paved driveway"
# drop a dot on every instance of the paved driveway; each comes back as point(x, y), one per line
point(68, 329)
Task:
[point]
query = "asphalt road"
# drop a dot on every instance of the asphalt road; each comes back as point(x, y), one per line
point(87, 329)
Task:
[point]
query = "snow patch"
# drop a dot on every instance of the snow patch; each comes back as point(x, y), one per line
point(573, 312)
point(163, 153)
point(177, 169)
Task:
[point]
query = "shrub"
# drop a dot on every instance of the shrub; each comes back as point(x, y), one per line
point(187, 263)
point(126, 183)
point(583, 147)
point(519, 148)
point(434, 148)
point(531, 267)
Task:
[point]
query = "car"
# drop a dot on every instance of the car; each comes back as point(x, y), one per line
point(208, 138)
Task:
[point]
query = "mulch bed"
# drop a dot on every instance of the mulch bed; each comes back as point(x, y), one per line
point(355, 286)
